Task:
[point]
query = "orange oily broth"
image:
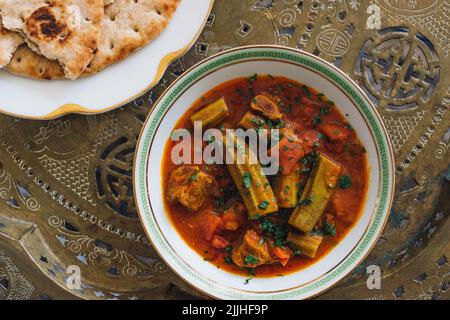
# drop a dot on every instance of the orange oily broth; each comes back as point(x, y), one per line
point(238, 97)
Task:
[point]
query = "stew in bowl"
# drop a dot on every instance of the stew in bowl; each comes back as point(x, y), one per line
point(304, 187)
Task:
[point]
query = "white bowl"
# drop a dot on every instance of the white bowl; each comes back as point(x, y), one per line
point(244, 62)
point(113, 87)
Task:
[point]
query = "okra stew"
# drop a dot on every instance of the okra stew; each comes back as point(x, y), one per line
point(245, 222)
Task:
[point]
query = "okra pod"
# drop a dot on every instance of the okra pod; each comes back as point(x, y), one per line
point(307, 243)
point(252, 121)
point(212, 114)
point(285, 187)
point(316, 194)
point(251, 181)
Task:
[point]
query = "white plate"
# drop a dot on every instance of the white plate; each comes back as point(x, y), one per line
point(244, 62)
point(114, 86)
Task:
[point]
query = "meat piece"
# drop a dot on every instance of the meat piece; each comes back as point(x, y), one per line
point(234, 217)
point(334, 132)
point(219, 242)
point(290, 151)
point(310, 139)
point(267, 106)
point(189, 186)
point(343, 208)
point(209, 225)
point(283, 254)
point(253, 251)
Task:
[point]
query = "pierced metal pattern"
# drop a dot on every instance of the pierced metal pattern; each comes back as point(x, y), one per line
point(65, 185)
point(398, 70)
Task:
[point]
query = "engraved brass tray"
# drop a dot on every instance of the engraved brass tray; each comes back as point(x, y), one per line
point(66, 184)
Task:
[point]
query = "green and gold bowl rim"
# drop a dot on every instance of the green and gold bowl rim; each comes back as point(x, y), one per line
point(279, 54)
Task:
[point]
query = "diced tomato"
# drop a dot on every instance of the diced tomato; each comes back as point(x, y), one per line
point(219, 243)
point(309, 139)
point(234, 217)
point(334, 132)
point(291, 152)
point(283, 254)
point(303, 111)
point(210, 225)
point(306, 102)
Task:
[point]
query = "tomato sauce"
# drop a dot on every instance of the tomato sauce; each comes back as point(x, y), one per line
point(304, 109)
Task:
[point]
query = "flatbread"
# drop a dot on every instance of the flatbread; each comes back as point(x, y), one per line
point(27, 62)
point(9, 42)
point(127, 26)
point(64, 30)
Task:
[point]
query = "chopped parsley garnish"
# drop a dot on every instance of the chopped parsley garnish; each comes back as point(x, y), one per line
point(251, 271)
point(194, 176)
point(304, 202)
point(210, 139)
point(306, 91)
point(329, 229)
point(310, 159)
point(253, 78)
point(228, 258)
point(258, 122)
point(263, 205)
point(306, 170)
point(250, 259)
point(325, 111)
point(345, 182)
point(275, 231)
point(247, 180)
point(316, 120)
point(348, 126)
point(275, 124)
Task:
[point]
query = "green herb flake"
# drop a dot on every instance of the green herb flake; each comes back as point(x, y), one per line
point(348, 126)
point(263, 205)
point(194, 176)
point(329, 229)
point(305, 202)
point(250, 259)
point(324, 111)
point(253, 78)
point(316, 120)
point(345, 182)
point(247, 180)
point(306, 91)
point(276, 231)
point(228, 260)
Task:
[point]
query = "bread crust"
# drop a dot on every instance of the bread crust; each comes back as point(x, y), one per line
point(63, 30)
point(126, 27)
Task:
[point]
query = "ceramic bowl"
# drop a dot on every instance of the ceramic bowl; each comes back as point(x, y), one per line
point(244, 62)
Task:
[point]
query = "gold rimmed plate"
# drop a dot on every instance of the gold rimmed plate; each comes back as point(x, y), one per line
point(114, 86)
